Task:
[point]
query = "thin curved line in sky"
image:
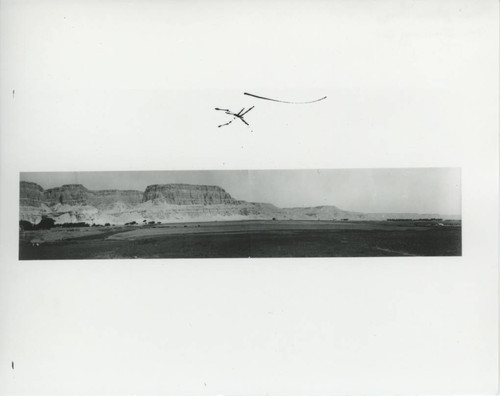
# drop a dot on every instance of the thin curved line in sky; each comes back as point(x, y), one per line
point(283, 101)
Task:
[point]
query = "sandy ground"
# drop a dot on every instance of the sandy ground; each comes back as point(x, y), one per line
point(146, 231)
point(249, 226)
point(58, 234)
point(243, 239)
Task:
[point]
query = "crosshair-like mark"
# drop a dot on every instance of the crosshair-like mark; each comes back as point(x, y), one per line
point(235, 116)
point(242, 112)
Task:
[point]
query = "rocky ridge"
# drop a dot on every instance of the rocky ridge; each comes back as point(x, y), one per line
point(166, 203)
point(187, 194)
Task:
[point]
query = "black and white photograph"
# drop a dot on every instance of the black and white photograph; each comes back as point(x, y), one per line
point(249, 198)
point(254, 213)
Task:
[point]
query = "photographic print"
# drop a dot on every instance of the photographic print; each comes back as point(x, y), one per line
point(249, 198)
point(240, 213)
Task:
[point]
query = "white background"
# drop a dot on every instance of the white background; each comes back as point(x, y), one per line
point(132, 85)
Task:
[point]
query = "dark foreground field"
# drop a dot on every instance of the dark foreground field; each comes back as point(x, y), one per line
point(245, 239)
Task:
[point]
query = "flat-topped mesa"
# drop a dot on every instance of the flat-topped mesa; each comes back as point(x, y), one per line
point(74, 203)
point(67, 194)
point(188, 194)
point(30, 194)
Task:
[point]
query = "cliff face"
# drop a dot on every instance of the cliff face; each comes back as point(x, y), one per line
point(109, 198)
point(68, 194)
point(30, 194)
point(187, 194)
point(72, 203)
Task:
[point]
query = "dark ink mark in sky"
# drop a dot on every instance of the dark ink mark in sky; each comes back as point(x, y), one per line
point(13, 93)
point(12, 365)
point(283, 101)
point(235, 116)
point(242, 112)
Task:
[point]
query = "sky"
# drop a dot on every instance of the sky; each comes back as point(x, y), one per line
point(417, 190)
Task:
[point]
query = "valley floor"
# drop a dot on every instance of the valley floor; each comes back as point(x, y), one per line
point(235, 239)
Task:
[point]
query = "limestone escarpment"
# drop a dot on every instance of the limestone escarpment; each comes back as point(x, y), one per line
point(67, 194)
point(30, 194)
point(170, 203)
point(109, 198)
point(72, 203)
point(187, 194)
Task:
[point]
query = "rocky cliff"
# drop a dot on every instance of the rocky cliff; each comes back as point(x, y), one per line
point(168, 202)
point(68, 194)
point(109, 198)
point(72, 203)
point(187, 194)
point(31, 194)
